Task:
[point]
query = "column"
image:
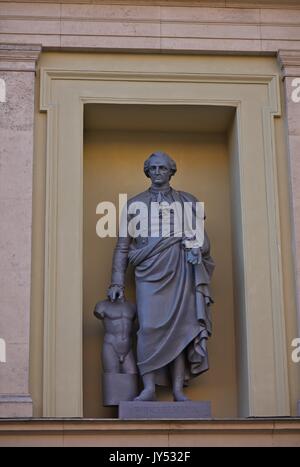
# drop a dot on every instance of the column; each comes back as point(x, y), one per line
point(17, 90)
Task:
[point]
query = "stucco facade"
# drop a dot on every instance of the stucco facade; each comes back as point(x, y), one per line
point(233, 67)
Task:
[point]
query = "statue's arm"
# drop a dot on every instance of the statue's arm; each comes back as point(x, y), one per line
point(119, 266)
point(120, 261)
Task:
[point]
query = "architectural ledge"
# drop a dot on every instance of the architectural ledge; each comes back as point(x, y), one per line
point(187, 3)
point(134, 433)
point(16, 57)
point(289, 61)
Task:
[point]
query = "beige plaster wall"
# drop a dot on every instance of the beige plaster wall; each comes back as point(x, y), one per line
point(113, 164)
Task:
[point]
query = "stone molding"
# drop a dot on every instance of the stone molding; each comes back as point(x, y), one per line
point(15, 57)
point(18, 398)
point(188, 3)
point(289, 61)
point(109, 433)
point(189, 27)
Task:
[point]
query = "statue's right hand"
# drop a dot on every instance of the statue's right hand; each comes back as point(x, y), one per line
point(115, 292)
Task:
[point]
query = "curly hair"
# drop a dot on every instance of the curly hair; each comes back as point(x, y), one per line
point(170, 162)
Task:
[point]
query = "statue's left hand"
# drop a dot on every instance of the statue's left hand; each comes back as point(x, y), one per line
point(194, 256)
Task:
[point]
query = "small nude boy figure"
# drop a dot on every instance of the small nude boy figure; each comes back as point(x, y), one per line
point(117, 354)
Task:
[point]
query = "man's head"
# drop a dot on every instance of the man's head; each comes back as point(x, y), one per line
point(160, 168)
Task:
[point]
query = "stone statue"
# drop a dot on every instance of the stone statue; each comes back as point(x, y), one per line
point(172, 276)
point(119, 378)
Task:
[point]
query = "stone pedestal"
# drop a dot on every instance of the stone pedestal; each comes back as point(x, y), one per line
point(165, 410)
point(17, 75)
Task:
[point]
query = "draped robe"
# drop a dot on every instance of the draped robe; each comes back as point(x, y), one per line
point(173, 297)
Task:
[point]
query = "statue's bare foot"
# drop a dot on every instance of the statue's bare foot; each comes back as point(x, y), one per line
point(179, 396)
point(146, 395)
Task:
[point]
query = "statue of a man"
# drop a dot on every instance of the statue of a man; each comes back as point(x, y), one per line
point(172, 290)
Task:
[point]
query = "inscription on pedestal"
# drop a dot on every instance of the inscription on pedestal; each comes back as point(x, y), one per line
point(164, 410)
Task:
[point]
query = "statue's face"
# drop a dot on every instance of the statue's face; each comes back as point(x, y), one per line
point(159, 171)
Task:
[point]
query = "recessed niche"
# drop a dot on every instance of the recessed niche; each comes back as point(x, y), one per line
point(117, 140)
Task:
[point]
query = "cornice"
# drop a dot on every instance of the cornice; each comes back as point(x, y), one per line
point(289, 61)
point(17, 57)
point(187, 3)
